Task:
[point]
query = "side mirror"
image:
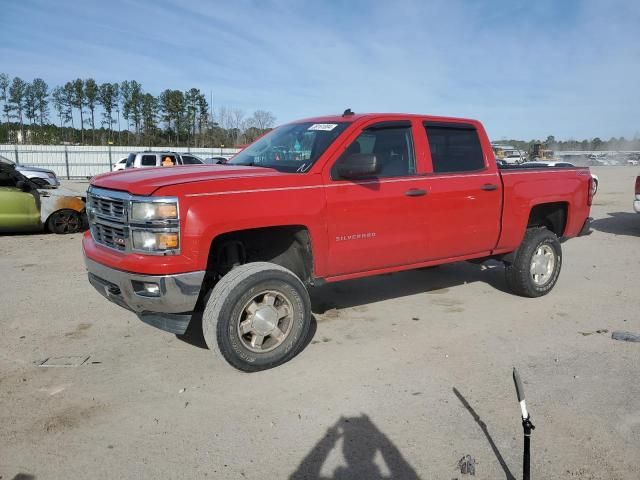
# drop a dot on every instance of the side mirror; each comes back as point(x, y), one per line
point(24, 186)
point(357, 165)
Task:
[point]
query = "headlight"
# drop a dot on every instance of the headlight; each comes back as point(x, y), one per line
point(149, 211)
point(155, 241)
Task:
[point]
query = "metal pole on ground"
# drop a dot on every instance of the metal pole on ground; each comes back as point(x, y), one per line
point(110, 160)
point(527, 427)
point(66, 161)
point(15, 149)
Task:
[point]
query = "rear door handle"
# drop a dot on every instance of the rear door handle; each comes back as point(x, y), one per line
point(488, 187)
point(415, 192)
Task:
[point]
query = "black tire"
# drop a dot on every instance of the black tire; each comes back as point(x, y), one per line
point(520, 278)
point(65, 221)
point(228, 305)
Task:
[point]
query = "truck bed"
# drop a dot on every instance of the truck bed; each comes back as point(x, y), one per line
point(526, 187)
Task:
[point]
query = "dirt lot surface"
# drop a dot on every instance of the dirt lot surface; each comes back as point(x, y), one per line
point(405, 374)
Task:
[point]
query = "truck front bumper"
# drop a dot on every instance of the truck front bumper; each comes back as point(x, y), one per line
point(164, 301)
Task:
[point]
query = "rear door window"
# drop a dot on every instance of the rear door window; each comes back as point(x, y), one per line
point(148, 161)
point(189, 160)
point(455, 147)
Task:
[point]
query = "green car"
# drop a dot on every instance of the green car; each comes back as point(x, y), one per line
point(24, 207)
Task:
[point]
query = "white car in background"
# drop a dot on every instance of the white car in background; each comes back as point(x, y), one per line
point(514, 156)
point(561, 164)
point(120, 164)
point(157, 159)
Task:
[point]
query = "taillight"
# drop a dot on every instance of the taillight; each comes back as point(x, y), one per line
point(591, 191)
point(638, 185)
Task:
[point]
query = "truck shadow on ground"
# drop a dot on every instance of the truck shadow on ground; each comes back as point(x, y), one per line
point(366, 453)
point(353, 293)
point(619, 223)
point(485, 430)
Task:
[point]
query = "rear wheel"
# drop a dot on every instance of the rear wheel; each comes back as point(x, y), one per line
point(64, 221)
point(537, 263)
point(257, 316)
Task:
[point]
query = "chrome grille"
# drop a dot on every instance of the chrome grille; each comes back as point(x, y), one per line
point(108, 218)
point(109, 236)
point(108, 207)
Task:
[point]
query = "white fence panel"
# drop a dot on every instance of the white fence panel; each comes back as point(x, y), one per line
point(75, 161)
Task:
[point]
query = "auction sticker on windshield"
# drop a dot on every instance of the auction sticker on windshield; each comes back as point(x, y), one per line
point(327, 127)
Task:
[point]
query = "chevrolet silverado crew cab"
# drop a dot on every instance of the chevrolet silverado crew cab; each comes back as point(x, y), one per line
point(237, 246)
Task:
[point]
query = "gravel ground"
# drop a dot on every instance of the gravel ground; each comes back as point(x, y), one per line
point(405, 374)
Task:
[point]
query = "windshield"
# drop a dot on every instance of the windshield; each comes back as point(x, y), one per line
point(6, 160)
point(291, 148)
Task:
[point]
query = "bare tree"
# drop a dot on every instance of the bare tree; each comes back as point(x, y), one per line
point(237, 123)
point(262, 120)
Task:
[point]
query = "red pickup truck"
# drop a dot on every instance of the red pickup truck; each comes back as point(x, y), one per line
point(320, 200)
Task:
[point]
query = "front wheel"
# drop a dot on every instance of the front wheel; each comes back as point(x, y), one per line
point(537, 263)
point(257, 316)
point(64, 221)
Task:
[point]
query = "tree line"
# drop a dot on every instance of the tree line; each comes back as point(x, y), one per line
point(84, 112)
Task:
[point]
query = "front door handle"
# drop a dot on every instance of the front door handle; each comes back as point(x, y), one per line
point(489, 186)
point(415, 192)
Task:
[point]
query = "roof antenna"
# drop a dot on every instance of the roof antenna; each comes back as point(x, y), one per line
point(347, 113)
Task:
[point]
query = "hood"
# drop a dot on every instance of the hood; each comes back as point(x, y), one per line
point(60, 192)
point(21, 168)
point(145, 181)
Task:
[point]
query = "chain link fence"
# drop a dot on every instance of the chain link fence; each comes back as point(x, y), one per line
point(86, 161)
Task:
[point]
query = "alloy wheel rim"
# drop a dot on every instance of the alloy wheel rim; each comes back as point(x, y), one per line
point(66, 222)
point(265, 321)
point(543, 263)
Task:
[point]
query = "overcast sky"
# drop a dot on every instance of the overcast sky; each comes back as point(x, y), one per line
point(527, 69)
